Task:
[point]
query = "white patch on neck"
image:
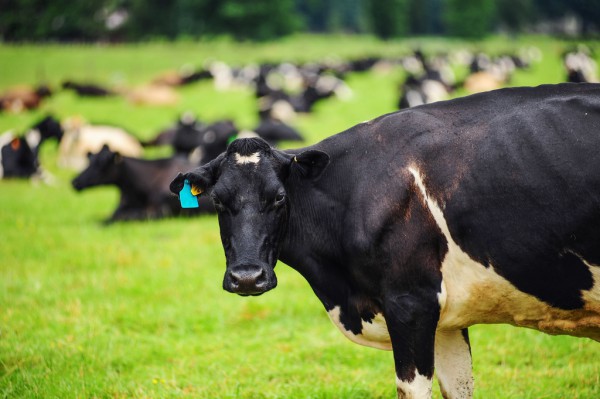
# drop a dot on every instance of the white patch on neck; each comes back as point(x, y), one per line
point(474, 294)
point(374, 333)
point(245, 159)
point(418, 388)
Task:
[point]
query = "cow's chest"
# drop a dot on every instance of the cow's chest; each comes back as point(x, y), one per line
point(374, 332)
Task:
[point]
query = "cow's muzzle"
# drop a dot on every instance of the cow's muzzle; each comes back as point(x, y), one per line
point(249, 279)
point(77, 184)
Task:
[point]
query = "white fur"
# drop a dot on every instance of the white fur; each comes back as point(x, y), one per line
point(79, 139)
point(33, 138)
point(453, 365)
point(418, 388)
point(246, 159)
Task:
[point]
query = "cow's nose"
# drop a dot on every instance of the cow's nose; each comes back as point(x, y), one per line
point(247, 280)
point(76, 184)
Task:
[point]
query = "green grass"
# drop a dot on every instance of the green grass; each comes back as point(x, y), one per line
point(137, 310)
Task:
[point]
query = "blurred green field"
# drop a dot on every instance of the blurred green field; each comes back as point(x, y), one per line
point(136, 310)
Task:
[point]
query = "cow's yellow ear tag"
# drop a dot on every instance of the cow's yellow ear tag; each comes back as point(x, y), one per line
point(196, 190)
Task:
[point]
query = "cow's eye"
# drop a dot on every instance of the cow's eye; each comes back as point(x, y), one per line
point(279, 198)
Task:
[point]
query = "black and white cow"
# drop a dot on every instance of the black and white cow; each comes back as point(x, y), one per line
point(143, 185)
point(418, 224)
point(19, 154)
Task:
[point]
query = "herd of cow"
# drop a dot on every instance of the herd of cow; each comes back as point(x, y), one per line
point(282, 90)
point(410, 228)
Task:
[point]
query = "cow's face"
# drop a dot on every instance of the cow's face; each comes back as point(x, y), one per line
point(102, 170)
point(247, 185)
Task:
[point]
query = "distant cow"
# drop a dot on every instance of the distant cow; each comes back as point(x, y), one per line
point(19, 155)
point(580, 66)
point(17, 159)
point(200, 142)
point(81, 138)
point(416, 225)
point(143, 185)
point(21, 98)
point(87, 89)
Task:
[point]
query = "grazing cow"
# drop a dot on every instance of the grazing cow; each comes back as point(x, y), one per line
point(143, 185)
point(418, 224)
point(87, 89)
point(417, 91)
point(580, 66)
point(81, 138)
point(202, 143)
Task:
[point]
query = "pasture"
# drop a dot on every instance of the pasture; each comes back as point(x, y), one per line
point(136, 310)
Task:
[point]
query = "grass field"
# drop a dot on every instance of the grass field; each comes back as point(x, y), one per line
point(136, 310)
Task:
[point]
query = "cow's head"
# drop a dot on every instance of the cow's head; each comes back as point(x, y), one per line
point(103, 169)
point(247, 184)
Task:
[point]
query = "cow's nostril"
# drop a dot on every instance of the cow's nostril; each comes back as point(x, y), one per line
point(244, 280)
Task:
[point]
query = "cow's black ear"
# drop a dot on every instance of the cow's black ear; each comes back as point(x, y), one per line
point(310, 163)
point(177, 183)
point(201, 178)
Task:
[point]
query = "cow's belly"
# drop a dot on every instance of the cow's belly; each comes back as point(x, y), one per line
point(473, 294)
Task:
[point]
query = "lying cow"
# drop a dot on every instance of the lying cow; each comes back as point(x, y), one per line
point(19, 154)
point(81, 138)
point(143, 184)
point(17, 158)
point(416, 225)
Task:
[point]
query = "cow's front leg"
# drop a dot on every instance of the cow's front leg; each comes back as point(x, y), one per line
point(412, 321)
point(453, 366)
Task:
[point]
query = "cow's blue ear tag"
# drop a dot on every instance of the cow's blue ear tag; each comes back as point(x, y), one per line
point(186, 198)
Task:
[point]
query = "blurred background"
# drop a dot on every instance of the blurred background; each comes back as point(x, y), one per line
point(109, 290)
point(133, 20)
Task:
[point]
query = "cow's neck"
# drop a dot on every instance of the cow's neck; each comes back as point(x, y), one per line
point(316, 243)
point(127, 181)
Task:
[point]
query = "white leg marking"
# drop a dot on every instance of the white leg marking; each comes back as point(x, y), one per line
point(418, 388)
point(244, 159)
point(453, 365)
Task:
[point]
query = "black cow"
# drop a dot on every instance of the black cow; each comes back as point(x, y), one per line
point(207, 140)
point(17, 159)
point(88, 89)
point(19, 154)
point(416, 225)
point(143, 184)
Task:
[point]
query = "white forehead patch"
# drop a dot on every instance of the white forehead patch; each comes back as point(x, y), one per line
point(245, 159)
